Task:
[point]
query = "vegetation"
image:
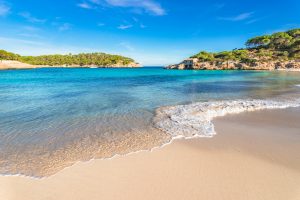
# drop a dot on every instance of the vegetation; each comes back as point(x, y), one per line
point(278, 46)
point(98, 59)
point(4, 55)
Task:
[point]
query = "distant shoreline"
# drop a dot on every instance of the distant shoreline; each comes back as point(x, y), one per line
point(196, 64)
point(15, 65)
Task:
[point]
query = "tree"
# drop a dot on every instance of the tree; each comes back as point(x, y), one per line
point(204, 56)
point(240, 54)
point(280, 40)
point(227, 56)
point(294, 49)
point(5, 55)
point(258, 41)
point(295, 33)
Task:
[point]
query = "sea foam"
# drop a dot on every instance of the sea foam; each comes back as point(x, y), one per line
point(195, 120)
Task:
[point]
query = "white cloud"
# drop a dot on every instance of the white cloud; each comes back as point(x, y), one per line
point(124, 27)
point(84, 5)
point(127, 46)
point(149, 6)
point(30, 18)
point(31, 28)
point(240, 17)
point(32, 47)
point(6, 40)
point(30, 35)
point(100, 24)
point(143, 26)
point(252, 21)
point(64, 27)
point(4, 9)
point(30, 32)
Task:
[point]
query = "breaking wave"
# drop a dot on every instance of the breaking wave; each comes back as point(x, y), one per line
point(195, 120)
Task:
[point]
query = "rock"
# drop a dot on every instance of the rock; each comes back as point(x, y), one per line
point(196, 64)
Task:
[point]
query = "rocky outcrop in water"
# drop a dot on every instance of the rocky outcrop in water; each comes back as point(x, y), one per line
point(196, 64)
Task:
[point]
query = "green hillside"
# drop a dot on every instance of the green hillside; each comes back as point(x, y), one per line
point(278, 46)
point(98, 59)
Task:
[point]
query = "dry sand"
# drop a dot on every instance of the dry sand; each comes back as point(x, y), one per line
point(255, 156)
point(12, 64)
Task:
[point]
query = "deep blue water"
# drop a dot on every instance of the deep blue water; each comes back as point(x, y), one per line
point(46, 109)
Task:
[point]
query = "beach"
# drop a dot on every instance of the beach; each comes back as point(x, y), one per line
point(12, 64)
point(255, 155)
point(149, 100)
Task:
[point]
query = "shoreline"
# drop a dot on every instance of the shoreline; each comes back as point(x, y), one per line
point(220, 109)
point(16, 65)
point(265, 148)
point(274, 70)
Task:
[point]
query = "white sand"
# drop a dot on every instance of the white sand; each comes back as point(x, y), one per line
point(254, 156)
point(12, 64)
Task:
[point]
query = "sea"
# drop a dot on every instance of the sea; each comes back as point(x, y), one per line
point(51, 118)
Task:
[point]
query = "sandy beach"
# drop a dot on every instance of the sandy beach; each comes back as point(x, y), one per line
point(255, 155)
point(12, 64)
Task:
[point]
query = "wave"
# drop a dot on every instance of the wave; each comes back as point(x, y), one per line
point(172, 122)
point(195, 120)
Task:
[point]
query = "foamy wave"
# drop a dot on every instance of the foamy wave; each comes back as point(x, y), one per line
point(195, 120)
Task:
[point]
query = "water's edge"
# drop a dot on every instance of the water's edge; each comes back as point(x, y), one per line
point(191, 121)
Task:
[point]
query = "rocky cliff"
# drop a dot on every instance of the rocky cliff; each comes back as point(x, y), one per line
point(195, 64)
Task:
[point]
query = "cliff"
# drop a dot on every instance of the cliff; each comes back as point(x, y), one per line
point(195, 64)
point(268, 52)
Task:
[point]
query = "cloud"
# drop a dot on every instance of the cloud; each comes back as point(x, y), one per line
point(31, 28)
point(219, 6)
point(30, 35)
point(100, 24)
point(30, 32)
point(149, 6)
point(4, 9)
point(124, 27)
point(64, 27)
point(252, 21)
point(35, 47)
point(127, 46)
point(8, 40)
point(240, 17)
point(85, 5)
point(30, 18)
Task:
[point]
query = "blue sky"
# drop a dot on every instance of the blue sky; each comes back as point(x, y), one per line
point(153, 32)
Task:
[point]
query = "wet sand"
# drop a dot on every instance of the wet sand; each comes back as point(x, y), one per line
point(254, 155)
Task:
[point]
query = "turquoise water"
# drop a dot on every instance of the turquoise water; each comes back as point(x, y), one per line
point(50, 118)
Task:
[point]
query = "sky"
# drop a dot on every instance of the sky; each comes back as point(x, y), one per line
point(153, 32)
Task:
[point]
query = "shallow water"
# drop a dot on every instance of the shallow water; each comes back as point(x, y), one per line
point(51, 118)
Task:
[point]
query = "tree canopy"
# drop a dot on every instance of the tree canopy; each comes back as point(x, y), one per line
point(98, 59)
point(277, 46)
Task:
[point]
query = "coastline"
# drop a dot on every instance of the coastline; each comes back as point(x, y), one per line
point(170, 123)
point(248, 146)
point(15, 65)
